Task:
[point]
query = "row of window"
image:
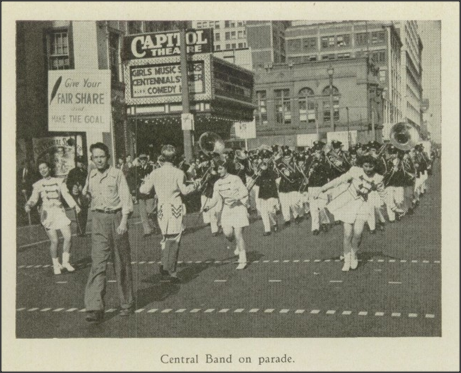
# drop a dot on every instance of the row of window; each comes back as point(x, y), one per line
point(217, 24)
point(378, 56)
point(306, 106)
point(335, 41)
point(231, 46)
point(231, 35)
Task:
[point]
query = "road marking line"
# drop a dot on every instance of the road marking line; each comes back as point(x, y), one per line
point(168, 310)
point(300, 311)
point(142, 262)
point(45, 309)
point(152, 262)
point(30, 266)
point(32, 309)
point(436, 261)
point(317, 261)
point(152, 310)
point(181, 310)
point(255, 261)
point(276, 261)
point(224, 310)
point(198, 262)
point(396, 314)
point(139, 310)
point(209, 310)
point(380, 260)
point(336, 281)
point(363, 313)
point(284, 311)
point(429, 316)
point(394, 282)
point(307, 260)
point(254, 310)
point(338, 260)
point(331, 312)
point(239, 310)
point(378, 270)
point(370, 260)
point(296, 261)
point(58, 310)
point(22, 266)
point(425, 261)
point(195, 310)
point(414, 261)
point(412, 315)
point(61, 282)
point(208, 262)
point(266, 261)
point(133, 262)
point(315, 312)
point(275, 280)
point(112, 281)
point(217, 261)
point(82, 310)
point(226, 261)
point(71, 309)
point(391, 260)
point(38, 266)
point(286, 261)
point(269, 310)
point(327, 260)
point(111, 310)
point(189, 262)
point(20, 309)
point(347, 313)
point(159, 262)
point(379, 313)
point(220, 280)
point(403, 261)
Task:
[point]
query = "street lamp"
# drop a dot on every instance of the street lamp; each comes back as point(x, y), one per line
point(330, 72)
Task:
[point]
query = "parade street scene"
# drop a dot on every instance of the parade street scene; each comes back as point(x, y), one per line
point(228, 179)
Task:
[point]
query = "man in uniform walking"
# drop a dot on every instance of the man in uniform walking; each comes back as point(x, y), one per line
point(111, 204)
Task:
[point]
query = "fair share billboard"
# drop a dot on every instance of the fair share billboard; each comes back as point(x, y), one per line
point(79, 101)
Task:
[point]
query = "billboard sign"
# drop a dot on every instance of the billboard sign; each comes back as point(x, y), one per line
point(165, 80)
point(79, 100)
point(58, 151)
point(166, 44)
point(245, 130)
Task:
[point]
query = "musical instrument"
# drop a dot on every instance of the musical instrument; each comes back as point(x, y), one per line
point(336, 161)
point(404, 136)
point(261, 167)
point(209, 142)
point(284, 170)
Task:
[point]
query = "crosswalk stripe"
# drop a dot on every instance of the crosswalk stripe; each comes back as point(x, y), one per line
point(224, 310)
point(315, 312)
point(395, 314)
point(429, 316)
point(331, 312)
point(195, 310)
point(58, 310)
point(210, 310)
point(347, 313)
point(379, 313)
point(20, 309)
point(269, 310)
point(363, 313)
point(71, 309)
point(284, 311)
point(181, 310)
point(412, 315)
point(45, 309)
point(168, 310)
point(254, 310)
point(152, 310)
point(139, 310)
point(300, 311)
point(32, 309)
point(239, 310)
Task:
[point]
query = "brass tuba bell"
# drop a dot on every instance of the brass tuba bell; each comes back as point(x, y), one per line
point(404, 136)
point(210, 142)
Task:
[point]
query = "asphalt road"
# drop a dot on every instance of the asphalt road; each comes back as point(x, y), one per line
point(293, 286)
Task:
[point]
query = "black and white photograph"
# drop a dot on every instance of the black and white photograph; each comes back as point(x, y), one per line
point(222, 177)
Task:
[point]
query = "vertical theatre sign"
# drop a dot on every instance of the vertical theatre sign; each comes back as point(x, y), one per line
point(79, 101)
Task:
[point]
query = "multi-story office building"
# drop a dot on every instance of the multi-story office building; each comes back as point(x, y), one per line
point(264, 40)
point(411, 58)
point(309, 41)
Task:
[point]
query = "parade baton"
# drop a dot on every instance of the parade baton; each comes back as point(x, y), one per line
point(28, 213)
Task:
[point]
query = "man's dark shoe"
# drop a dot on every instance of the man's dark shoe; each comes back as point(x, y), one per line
point(287, 223)
point(163, 272)
point(315, 232)
point(94, 317)
point(266, 233)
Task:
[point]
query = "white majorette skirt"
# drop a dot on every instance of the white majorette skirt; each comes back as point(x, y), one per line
point(347, 207)
point(54, 217)
point(170, 218)
point(235, 217)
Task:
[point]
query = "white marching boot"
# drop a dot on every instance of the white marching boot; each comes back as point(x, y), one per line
point(56, 266)
point(65, 262)
point(347, 262)
point(242, 260)
point(354, 260)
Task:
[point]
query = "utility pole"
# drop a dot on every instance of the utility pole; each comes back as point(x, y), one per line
point(187, 119)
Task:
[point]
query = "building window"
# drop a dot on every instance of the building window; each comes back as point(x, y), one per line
point(261, 114)
point(310, 44)
point(114, 55)
point(233, 35)
point(361, 39)
point(217, 48)
point(328, 42)
point(343, 40)
point(294, 45)
point(241, 45)
point(343, 55)
point(227, 24)
point(310, 58)
point(234, 45)
point(232, 23)
point(326, 104)
point(228, 46)
point(382, 76)
point(240, 35)
point(134, 27)
point(378, 37)
point(227, 35)
point(59, 54)
point(205, 24)
point(217, 36)
point(382, 56)
point(199, 24)
point(306, 106)
point(216, 25)
point(282, 106)
point(240, 23)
